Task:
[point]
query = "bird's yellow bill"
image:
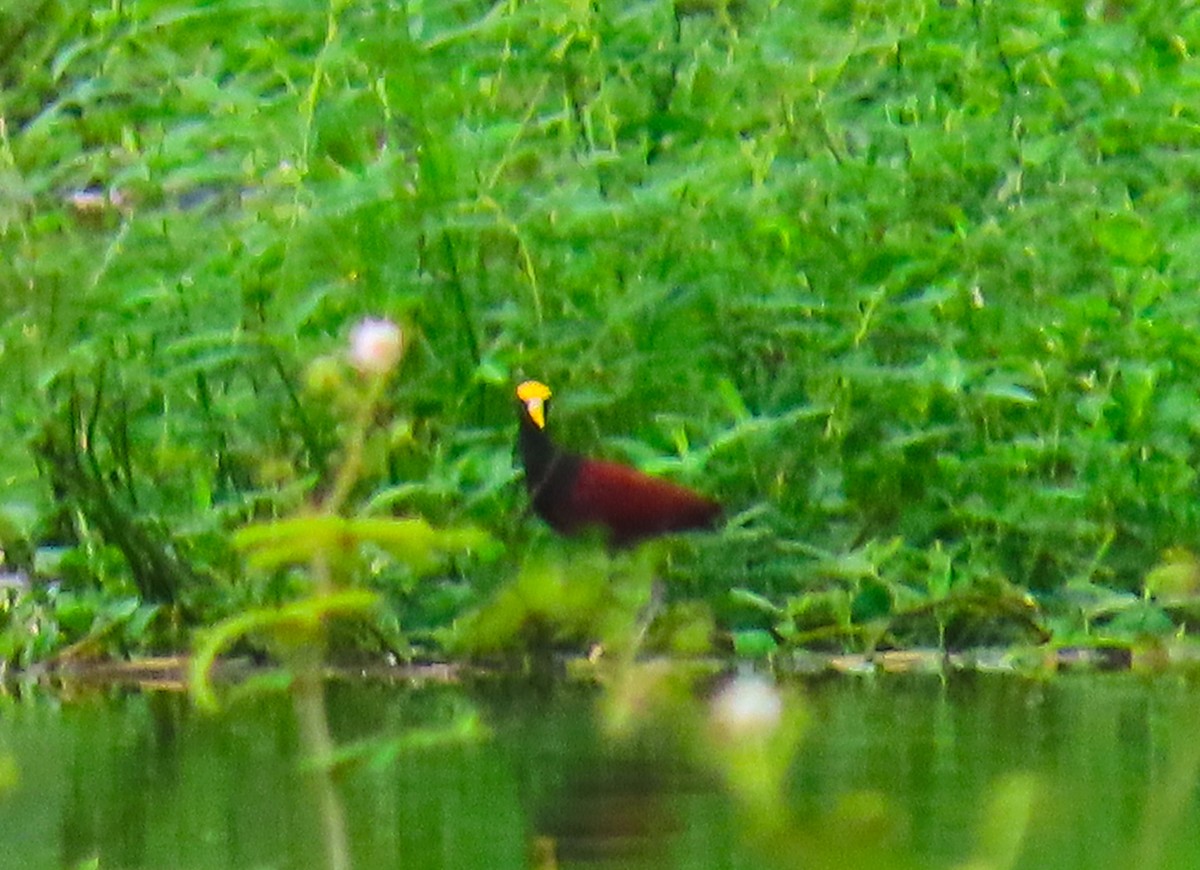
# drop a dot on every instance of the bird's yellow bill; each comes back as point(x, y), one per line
point(534, 395)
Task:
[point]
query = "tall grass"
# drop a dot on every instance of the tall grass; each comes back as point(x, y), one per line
point(909, 285)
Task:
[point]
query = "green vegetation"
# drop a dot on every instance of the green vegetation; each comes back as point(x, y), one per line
point(910, 286)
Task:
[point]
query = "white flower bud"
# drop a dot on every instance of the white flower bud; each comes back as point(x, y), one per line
point(375, 346)
point(747, 706)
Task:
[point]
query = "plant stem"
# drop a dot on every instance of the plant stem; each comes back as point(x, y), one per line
point(352, 459)
point(308, 698)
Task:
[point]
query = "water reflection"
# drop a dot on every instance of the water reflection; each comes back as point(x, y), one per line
point(1093, 749)
point(985, 771)
point(618, 811)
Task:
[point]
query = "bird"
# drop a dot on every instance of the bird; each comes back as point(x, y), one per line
point(573, 493)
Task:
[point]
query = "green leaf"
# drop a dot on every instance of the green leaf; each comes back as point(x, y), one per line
point(1126, 236)
point(303, 616)
point(412, 541)
point(740, 595)
point(1008, 392)
point(754, 643)
point(872, 601)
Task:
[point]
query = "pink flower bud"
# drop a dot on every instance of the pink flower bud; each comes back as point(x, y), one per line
point(375, 346)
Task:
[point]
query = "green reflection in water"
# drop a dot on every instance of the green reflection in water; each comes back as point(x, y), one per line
point(979, 771)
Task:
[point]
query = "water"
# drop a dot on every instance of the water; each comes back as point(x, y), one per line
point(1102, 754)
point(1089, 771)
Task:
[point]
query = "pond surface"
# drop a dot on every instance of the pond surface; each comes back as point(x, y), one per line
point(1092, 771)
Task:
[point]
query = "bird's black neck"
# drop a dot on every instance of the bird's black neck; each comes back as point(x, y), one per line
point(549, 472)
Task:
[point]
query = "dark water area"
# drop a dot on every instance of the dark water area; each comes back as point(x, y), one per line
point(993, 771)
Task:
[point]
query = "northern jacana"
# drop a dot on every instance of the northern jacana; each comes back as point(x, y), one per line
point(573, 493)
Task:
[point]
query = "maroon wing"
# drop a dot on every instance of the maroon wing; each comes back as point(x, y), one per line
point(633, 505)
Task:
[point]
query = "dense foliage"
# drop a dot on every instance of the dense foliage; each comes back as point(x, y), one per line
point(909, 285)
